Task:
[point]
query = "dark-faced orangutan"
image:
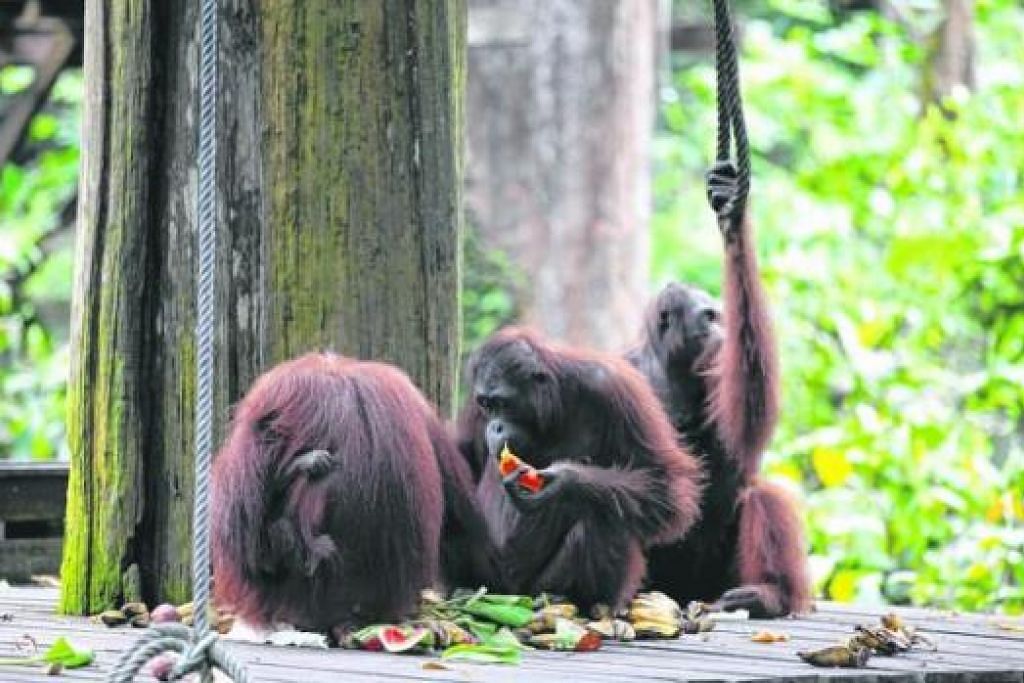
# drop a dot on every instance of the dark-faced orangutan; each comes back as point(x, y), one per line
point(338, 497)
point(612, 479)
point(718, 380)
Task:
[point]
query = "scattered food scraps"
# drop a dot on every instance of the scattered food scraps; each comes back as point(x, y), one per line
point(1014, 626)
point(483, 654)
point(704, 624)
point(655, 615)
point(62, 653)
point(613, 629)
point(113, 617)
point(568, 635)
point(837, 656)
point(297, 639)
point(894, 636)
point(880, 641)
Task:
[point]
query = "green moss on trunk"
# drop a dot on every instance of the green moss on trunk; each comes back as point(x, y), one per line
point(339, 193)
point(363, 148)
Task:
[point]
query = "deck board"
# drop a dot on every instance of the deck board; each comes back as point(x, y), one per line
point(971, 649)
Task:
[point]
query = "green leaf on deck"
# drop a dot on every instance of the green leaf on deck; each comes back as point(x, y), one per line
point(71, 657)
point(483, 654)
point(508, 610)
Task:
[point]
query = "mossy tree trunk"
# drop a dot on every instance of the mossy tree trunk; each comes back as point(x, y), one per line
point(339, 206)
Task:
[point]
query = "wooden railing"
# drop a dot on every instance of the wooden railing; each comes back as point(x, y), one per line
point(32, 497)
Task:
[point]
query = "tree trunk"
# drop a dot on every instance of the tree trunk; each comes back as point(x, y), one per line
point(340, 180)
point(951, 62)
point(561, 107)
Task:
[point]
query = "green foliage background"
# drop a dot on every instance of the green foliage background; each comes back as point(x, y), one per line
point(892, 239)
point(36, 270)
point(893, 247)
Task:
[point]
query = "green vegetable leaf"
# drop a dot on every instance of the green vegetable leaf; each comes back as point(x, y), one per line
point(508, 610)
point(504, 638)
point(63, 652)
point(483, 654)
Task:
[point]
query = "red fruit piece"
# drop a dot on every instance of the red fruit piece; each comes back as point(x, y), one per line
point(531, 480)
point(508, 463)
point(590, 641)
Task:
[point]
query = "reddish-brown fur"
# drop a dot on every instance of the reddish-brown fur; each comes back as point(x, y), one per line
point(593, 419)
point(745, 379)
point(721, 389)
point(771, 546)
point(351, 537)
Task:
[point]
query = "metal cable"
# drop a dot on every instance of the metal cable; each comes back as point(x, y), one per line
point(198, 649)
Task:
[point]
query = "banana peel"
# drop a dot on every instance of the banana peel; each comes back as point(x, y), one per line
point(546, 618)
point(837, 656)
point(646, 629)
point(613, 629)
point(568, 635)
point(447, 633)
point(893, 623)
point(656, 601)
point(655, 615)
point(880, 641)
point(703, 624)
point(652, 614)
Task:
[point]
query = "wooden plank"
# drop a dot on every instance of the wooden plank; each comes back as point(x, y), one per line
point(21, 558)
point(974, 650)
point(630, 661)
point(930, 621)
point(31, 491)
point(726, 654)
point(784, 654)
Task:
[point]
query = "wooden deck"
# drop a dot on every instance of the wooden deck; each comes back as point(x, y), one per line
point(971, 648)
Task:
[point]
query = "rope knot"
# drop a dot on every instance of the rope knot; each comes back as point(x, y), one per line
point(195, 657)
point(201, 656)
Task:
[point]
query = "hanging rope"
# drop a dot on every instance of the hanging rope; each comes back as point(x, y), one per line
point(731, 125)
point(199, 653)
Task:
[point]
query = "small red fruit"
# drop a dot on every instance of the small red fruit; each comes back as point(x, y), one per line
point(508, 463)
point(531, 480)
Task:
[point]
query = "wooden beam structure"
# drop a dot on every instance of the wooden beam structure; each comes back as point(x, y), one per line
point(31, 518)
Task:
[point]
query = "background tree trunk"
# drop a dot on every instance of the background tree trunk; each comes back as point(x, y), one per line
point(951, 62)
point(340, 190)
point(561, 106)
